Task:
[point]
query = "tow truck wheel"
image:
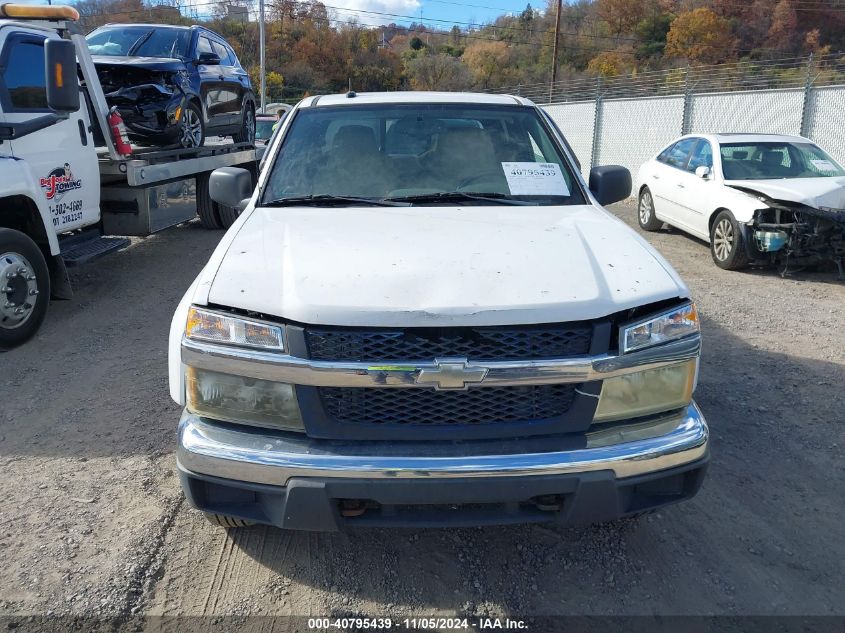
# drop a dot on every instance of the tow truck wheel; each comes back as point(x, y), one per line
point(24, 288)
point(228, 215)
point(207, 209)
point(221, 520)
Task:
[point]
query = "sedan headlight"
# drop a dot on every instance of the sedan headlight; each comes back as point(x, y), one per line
point(669, 326)
point(220, 327)
point(242, 400)
point(647, 392)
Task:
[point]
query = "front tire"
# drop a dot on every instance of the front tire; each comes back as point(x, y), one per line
point(247, 132)
point(24, 288)
point(646, 216)
point(224, 521)
point(727, 244)
point(191, 128)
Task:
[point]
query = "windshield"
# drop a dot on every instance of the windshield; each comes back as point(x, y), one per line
point(264, 128)
point(140, 41)
point(765, 161)
point(415, 151)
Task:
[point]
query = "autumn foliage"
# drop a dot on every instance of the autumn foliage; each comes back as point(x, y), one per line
point(311, 48)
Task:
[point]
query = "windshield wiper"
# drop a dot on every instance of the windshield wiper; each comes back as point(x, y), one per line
point(326, 199)
point(446, 196)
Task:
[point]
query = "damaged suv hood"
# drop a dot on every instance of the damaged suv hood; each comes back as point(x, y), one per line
point(148, 63)
point(424, 266)
point(826, 192)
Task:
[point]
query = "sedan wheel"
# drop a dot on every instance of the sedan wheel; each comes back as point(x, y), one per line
point(723, 241)
point(646, 216)
point(192, 131)
point(726, 242)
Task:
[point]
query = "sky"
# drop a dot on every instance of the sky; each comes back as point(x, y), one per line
point(435, 13)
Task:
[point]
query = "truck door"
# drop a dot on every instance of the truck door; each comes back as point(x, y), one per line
point(61, 156)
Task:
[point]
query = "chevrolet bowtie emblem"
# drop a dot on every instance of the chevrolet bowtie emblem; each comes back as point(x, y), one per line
point(451, 373)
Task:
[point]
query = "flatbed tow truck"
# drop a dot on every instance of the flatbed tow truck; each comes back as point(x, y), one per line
point(67, 193)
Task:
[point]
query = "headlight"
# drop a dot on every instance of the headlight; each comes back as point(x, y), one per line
point(672, 325)
point(242, 400)
point(647, 392)
point(218, 327)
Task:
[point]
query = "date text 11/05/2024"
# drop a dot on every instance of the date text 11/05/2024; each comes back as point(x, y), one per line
point(412, 624)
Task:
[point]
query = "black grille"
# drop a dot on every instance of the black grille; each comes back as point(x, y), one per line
point(426, 407)
point(482, 343)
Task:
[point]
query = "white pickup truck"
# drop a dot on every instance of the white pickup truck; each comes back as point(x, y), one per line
point(63, 184)
point(425, 317)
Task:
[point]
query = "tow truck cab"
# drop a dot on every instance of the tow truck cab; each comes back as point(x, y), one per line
point(44, 190)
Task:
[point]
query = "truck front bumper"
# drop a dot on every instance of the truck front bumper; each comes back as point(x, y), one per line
point(292, 482)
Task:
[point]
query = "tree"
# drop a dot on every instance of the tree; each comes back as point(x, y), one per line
point(488, 61)
point(437, 72)
point(610, 63)
point(621, 15)
point(783, 34)
point(700, 36)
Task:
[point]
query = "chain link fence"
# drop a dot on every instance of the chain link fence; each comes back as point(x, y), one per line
point(626, 120)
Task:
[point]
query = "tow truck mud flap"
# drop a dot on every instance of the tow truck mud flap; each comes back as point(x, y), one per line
point(145, 210)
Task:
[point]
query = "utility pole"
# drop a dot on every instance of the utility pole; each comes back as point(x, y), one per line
point(262, 70)
point(554, 52)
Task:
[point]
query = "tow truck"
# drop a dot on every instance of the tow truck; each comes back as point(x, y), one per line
point(71, 188)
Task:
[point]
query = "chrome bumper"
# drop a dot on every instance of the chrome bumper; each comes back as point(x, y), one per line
point(258, 456)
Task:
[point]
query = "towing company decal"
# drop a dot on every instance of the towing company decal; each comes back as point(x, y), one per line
point(59, 181)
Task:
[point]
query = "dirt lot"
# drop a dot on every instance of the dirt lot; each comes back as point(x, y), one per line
point(93, 522)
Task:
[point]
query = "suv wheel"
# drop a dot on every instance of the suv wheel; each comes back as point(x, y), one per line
point(727, 245)
point(192, 129)
point(247, 132)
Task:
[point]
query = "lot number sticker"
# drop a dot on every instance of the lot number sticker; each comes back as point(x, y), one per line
point(535, 179)
point(823, 165)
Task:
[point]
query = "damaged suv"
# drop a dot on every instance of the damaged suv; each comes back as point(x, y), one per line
point(757, 198)
point(173, 84)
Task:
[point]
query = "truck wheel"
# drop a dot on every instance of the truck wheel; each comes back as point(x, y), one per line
point(192, 129)
point(221, 520)
point(24, 288)
point(228, 215)
point(207, 209)
point(645, 212)
point(247, 132)
point(727, 246)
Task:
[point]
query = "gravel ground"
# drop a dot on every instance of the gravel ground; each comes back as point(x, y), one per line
point(93, 522)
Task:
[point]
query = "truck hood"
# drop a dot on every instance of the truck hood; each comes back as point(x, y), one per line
point(429, 266)
point(813, 192)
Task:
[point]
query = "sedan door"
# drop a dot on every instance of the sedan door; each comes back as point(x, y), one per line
point(662, 180)
point(692, 193)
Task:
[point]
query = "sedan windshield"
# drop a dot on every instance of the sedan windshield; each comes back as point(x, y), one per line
point(422, 154)
point(140, 41)
point(776, 160)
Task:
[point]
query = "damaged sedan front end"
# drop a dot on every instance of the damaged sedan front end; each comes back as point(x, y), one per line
point(795, 234)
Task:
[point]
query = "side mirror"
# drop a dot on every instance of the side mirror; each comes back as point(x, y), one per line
point(60, 71)
point(703, 172)
point(231, 187)
point(208, 59)
point(610, 183)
